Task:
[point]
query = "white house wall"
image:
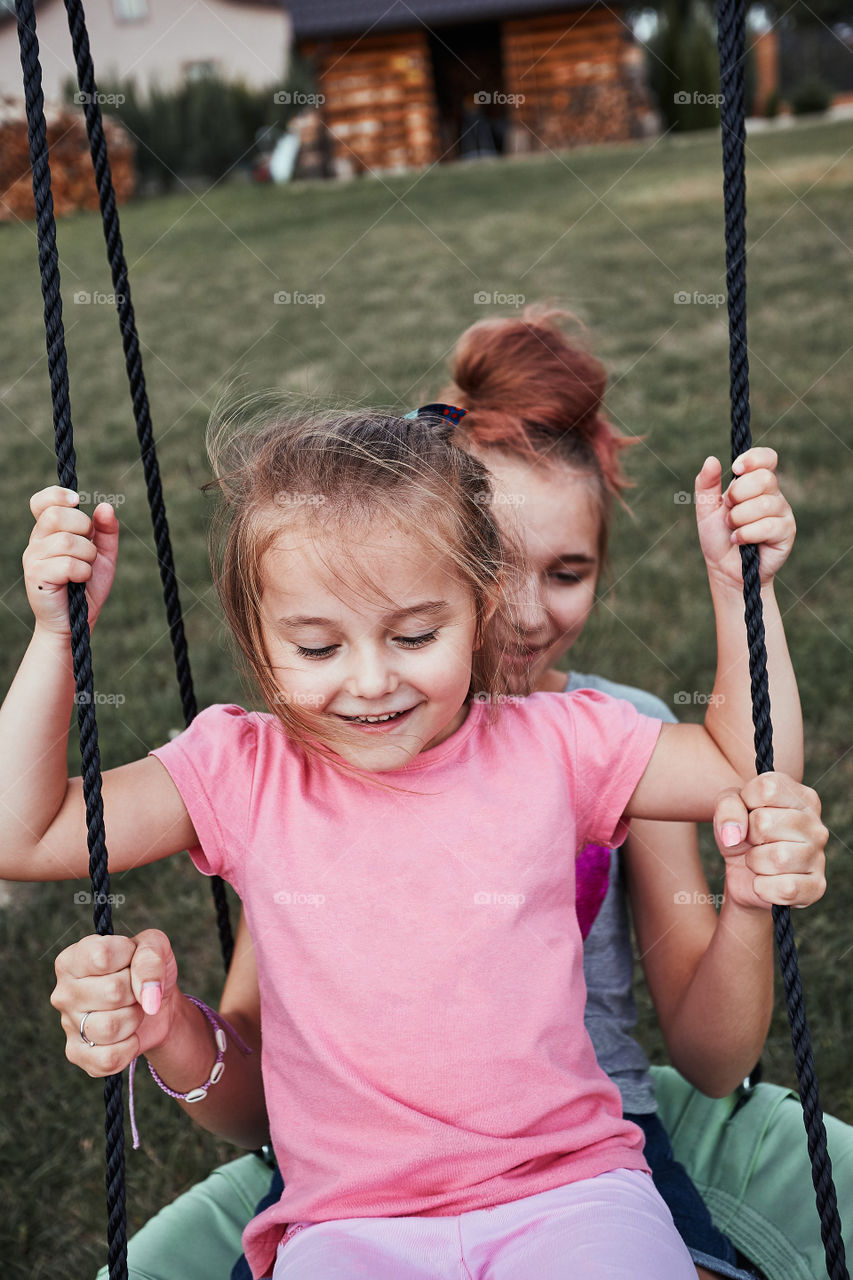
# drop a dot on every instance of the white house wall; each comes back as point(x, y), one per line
point(249, 43)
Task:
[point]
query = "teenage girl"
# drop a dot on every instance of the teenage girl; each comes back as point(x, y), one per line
point(433, 1099)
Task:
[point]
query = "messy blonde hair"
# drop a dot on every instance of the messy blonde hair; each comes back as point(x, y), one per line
point(346, 471)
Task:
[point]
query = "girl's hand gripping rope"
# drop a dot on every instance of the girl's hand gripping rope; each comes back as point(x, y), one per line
point(66, 546)
point(127, 990)
point(773, 842)
point(752, 510)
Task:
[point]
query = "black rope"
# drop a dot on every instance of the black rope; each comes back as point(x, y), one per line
point(139, 398)
point(731, 44)
point(731, 48)
point(78, 608)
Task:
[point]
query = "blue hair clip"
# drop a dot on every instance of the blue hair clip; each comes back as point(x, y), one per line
point(450, 412)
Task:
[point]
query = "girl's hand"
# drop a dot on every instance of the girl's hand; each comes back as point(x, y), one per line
point(67, 546)
point(752, 510)
point(773, 841)
point(128, 988)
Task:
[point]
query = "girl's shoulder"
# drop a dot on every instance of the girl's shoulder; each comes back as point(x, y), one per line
point(648, 704)
point(220, 723)
point(588, 717)
point(228, 716)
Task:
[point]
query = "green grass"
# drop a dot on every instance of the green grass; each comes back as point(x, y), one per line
point(399, 262)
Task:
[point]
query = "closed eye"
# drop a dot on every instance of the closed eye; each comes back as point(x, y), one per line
point(408, 642)
point(315, 653)
point(415, 642)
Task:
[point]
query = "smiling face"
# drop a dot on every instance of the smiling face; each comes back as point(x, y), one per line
point(386, 672)
point(555, 515)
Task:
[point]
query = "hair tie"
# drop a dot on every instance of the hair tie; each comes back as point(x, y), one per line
point(450, 412)
point(450, 416)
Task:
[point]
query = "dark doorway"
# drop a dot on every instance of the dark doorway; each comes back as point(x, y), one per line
point(469, 90)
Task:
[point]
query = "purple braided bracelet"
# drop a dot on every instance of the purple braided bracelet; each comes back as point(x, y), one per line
point(198, 1094)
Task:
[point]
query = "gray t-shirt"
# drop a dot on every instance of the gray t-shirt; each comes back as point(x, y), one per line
point(608, 960)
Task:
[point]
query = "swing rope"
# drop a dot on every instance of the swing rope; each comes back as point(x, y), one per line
point(731, 45)
point(139, 398)
point(77, 606)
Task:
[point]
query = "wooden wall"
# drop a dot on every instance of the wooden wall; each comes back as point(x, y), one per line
point(379, 105)
point(72, 179)
point(577, 74)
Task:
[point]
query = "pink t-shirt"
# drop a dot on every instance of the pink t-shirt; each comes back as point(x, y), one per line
point(419, 954)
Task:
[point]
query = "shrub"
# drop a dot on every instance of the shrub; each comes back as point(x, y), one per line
point(204, 128)
point(772, 104)
point(810, 96)
point(683, 67)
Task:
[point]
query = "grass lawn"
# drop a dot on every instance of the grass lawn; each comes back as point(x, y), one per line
point(615, 233)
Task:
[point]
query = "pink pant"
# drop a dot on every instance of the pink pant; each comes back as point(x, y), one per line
point(611, 1227)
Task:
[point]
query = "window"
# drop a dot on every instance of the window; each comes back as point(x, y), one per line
point(206, 69)
point(130, 10)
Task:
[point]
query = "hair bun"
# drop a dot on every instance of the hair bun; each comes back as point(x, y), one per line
point(531, 388)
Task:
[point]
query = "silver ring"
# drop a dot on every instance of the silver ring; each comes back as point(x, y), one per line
point(83, 1035)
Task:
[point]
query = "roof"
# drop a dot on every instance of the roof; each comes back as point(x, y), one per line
point(314, 19)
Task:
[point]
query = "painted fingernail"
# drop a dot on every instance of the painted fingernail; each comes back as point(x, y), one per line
point(151, 996)
point(730, 834)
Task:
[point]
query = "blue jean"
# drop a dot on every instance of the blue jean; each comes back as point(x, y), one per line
point(241, 1269)
point(708, 1247)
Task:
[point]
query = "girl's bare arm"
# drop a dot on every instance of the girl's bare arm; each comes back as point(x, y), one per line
point(42, 812)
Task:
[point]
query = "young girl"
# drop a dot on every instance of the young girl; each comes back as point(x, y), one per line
point(503, 369)
point(432, 1096)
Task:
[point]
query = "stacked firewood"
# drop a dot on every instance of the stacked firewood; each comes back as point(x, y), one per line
point(379, 101)
point(72, 179)
point(572, 79)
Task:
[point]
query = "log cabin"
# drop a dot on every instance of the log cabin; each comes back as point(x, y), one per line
point(413, 82)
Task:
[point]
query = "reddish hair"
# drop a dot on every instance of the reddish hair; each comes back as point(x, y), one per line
point(532, 391)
